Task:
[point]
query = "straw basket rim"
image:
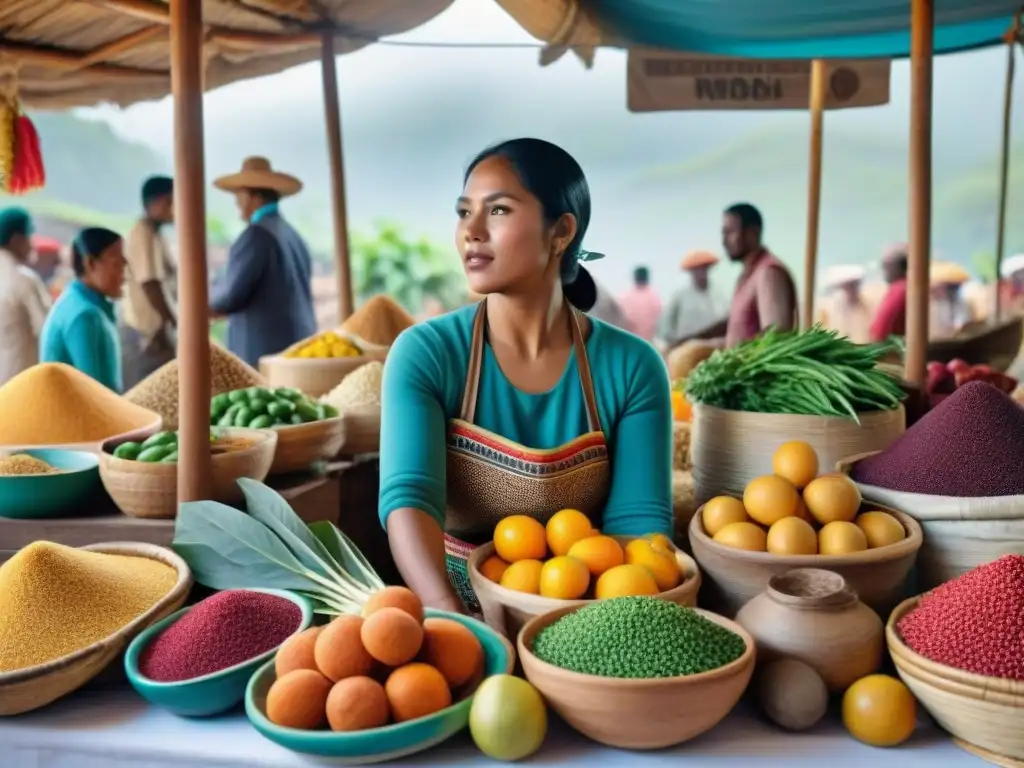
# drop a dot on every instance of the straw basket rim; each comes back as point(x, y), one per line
point(524, 645)
point(176, 594)
point(907, 546)
point(306, 428)
point(864, 416)
point(353, 362)
point(91, 446)
point(261, 437)
point(982, 684)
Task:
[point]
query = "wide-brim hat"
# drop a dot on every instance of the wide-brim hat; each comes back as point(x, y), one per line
point(257, 173)
point(1012, 266)
point(948, 273)
point(843, 274)
point(698, 259)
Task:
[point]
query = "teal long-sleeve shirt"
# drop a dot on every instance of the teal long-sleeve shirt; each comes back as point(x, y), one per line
point(423, 382)
point(81, 331)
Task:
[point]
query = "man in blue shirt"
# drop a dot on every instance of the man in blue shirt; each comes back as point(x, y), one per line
point(266, 293)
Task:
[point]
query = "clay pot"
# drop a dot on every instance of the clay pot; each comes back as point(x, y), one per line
point(815, 617)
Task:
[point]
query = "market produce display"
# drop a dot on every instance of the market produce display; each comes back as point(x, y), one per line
point(638, 638)
point(568, 559)
point(508, 719)
point(163, 447)
point(379, 321)
point(974, 622)
point(797, 512)
point(967, 446)
point(324, 345)
point(55, 404)
point(55, 600)
point(880, 710)
point(23, 464)
point(815, 372)
point(159, 391)
point(359, 389)
point(264, 408)
point(945, 378)
point(219, 632)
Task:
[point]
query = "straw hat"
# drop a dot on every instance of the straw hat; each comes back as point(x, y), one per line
point(256, 173)
point(1012, 266)
point(698, 259)
point(843, 274)
point(948, 273)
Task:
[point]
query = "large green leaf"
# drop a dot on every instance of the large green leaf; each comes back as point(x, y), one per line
point(345, 552)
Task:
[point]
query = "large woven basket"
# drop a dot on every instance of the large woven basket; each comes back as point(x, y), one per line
point(27, 689)
point(300, 445)
point(731, 448)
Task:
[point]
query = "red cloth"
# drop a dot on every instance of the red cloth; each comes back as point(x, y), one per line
point(744, 319)
point(891, 316)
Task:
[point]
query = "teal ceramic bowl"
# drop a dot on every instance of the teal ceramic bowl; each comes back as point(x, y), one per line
point(33, 497)
point(211, 694)
point(390, 742)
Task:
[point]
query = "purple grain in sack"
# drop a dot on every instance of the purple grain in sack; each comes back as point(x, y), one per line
point(221, 631)
point(970, 444)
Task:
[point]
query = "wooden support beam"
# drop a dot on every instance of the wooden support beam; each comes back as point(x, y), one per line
point(336, 160)
point(64, 60)
point(1012, 38)
point(819, 90)
point(122, 45)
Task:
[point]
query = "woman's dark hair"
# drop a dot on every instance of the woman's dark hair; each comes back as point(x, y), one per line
point(90, 243)
point(557, 181)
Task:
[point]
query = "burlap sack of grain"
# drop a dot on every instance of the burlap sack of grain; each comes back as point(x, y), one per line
point(683, 508)
point(681, 446)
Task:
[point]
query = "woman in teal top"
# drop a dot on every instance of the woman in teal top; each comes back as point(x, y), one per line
point(81, 329)
point(521, 404)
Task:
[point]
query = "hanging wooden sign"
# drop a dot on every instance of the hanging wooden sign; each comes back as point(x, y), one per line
point(659, 81)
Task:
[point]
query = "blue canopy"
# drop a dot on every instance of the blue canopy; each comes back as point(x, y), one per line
point(800, 29)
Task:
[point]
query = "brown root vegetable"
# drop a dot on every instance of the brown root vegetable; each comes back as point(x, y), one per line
point(339, 651)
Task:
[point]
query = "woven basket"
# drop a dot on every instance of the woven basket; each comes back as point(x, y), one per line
point(362, 431)
point(27, 689)
point(731, 448)
point(301, 445)
point(314, 377)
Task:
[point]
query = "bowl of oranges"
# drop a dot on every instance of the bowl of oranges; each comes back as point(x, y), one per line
point(796, 518)
point(530, 568)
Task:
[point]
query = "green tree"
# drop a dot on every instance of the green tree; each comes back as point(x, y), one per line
point(984, 264)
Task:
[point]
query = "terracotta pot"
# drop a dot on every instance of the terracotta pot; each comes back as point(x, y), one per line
point(814, 616)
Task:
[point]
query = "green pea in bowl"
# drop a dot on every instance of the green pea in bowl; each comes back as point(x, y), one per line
point(390, 742)
point(211, 694)
point(53, 494)
point(651, 713)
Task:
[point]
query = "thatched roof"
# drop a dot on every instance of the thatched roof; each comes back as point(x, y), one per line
point(69, 53)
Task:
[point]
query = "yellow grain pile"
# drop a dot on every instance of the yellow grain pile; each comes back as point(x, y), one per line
point(55, 600)
point(360, 389)
point(379, 321)
point(159, 390)
point(53, 404)
point(23, 464)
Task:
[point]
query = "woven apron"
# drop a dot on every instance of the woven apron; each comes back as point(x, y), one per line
point(490, 478)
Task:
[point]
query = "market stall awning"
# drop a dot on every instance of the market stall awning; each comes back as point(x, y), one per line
point(789, 29)
point(69, 53)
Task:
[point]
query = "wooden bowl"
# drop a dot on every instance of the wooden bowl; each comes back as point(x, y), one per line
point(638, 714)
point(301, 445)
point(315, 377)
point(27, 689)
point(984, 712)
point(362, 431)
point(507, 610)
point(735, 576)
point(141, 489)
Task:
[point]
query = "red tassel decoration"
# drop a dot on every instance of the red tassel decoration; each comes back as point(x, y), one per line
point(27, 173)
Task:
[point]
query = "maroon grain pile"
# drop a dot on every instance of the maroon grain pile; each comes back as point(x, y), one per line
point(224, 630)
point(974, 622)
point(970, 444)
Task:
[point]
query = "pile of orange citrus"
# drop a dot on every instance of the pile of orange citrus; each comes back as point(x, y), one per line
point(569, 559)
point(796, 511)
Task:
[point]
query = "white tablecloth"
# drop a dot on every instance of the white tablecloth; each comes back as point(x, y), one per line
point(114, 728)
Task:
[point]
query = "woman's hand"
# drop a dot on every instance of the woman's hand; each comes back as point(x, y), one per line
point(444, 602)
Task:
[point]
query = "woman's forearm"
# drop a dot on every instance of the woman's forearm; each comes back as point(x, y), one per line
point(417, 544)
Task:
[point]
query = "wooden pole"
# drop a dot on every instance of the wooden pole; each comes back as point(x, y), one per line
point(336, 159)
point(194, 471)
point(922, 30)
point(819, 91)
point(1004, 169)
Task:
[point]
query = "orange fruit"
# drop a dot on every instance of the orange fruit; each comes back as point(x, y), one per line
point(743, 536)
point(565, 528)
point(792, 536)
point(770, 498)
point(796, 462)
point(660, 542)
point(523, 576)
point(564, 578)
point(841, 538)
point(720, 511)
point(832, 497)
point(879, 710)
point(625, 581)
point(880, 528)
point(519, 537)
point(493, 568)
point(661, 564)
point(681, 408)
point(599, 553)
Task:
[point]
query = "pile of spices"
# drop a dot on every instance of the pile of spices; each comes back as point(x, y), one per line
point(360, 389)
point(974, 622)
point(379, 321)
point(23, 464)
point(159, 391)
point(968, 445)
point(637, 637)
point(53, 403)
point(55, 600)
point(226, 629)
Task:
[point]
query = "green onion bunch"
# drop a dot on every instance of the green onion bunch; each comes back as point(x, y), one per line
point(815, 372)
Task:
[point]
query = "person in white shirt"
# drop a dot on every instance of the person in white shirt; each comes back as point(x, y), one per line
point(948, 311)
point(844, 308)
point(695, 307)
point(24, 300)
